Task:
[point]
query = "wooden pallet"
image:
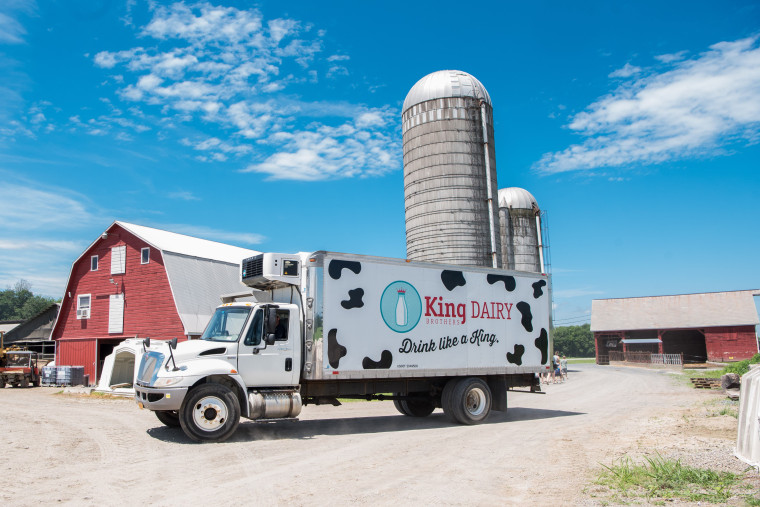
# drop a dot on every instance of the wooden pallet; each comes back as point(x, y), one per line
point(706, 383)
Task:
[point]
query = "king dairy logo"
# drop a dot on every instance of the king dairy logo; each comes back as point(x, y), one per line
point(401, 306)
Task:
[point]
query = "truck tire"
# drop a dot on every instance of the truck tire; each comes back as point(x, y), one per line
point(469, 401)
point(401, 408)
point(168, 417)
point(210, 413)
point(418, 407)
point(448, 409)
point(2, 383)
point(37, 382)
point(25, 382)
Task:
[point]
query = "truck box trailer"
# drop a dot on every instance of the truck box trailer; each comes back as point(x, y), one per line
point(325, 325)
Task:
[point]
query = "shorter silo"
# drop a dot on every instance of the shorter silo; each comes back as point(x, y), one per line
point(520, 224)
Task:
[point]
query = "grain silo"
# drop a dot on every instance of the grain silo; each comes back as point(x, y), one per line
point(519, 220)
point(450, 172)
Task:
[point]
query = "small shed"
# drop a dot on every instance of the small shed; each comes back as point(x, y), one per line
point(135, 282)
point(714, 326)
point(35, 333)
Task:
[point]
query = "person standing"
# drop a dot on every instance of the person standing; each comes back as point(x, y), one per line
point(555, 368)
point(563, 367)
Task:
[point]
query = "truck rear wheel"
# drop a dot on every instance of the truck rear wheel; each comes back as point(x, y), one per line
point(210, 413)
point(25, 382)
point(415, 407)
point(468, 400)
point(168, 417)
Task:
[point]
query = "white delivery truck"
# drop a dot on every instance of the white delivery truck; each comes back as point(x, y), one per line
point(327, 325)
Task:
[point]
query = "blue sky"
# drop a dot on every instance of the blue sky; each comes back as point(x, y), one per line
point(276, 126)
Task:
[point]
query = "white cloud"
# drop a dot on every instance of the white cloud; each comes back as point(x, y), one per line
point(183, 195)
point(40, 209)
point(628, 70)
point(330, 152)
point(11, 31)
point(693, 109)
point(231, 69)
point(672, 57)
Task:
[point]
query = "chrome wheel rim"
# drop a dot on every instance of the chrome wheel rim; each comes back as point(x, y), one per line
point(210, 413)
point(475, 402)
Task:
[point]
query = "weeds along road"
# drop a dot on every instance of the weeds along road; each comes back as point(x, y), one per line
point(67, 449)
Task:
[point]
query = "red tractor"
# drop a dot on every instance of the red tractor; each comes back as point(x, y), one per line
point(19, 368)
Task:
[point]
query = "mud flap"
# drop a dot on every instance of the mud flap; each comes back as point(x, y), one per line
point(498, 387)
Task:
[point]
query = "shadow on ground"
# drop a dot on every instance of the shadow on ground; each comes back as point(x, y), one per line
point(300, 429)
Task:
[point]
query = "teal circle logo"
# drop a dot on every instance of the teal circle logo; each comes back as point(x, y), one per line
point(401, 306)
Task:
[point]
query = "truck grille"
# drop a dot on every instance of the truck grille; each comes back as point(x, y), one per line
point(252, 267)
point(151, 362)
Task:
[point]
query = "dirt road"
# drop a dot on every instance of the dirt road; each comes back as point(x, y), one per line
point(65, 449)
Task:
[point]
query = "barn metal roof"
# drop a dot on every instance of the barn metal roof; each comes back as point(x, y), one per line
point(188, 245)
point(713, 309)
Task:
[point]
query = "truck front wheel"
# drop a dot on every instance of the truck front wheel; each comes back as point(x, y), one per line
point(467, 400)
point(210, 413)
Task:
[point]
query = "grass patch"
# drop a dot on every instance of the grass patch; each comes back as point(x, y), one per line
point(581, 360)
point(659, 479)
point(739, 367)
point(723, 406)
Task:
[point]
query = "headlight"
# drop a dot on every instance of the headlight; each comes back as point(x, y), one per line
point(167, 381)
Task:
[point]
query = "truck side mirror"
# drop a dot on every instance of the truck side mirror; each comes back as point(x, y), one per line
point(270, 339)
point(173, 343)
point(271, 322)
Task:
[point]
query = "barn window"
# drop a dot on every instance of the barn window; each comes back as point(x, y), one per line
point(83, 306)
point(118, 260)
point(145, 255)
point(94, 263)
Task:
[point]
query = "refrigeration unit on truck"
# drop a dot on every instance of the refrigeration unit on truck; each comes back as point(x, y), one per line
point(327, 325)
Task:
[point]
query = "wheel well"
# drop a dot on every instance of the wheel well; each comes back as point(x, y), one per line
point(228, 381)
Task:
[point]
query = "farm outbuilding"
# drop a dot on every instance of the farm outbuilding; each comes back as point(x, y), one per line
point(35, 332)
point(715, 326)
point(137, 282)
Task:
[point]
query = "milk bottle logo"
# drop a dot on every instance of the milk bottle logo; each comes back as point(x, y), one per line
point(401, 310)
point(401, 306)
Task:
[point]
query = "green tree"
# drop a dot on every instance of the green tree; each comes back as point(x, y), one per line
point(19, 303)
point(574, 341)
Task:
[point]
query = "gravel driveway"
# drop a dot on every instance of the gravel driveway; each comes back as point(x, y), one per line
point(66, 449)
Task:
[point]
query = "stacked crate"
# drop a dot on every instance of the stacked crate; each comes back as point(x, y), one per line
point(69, 375)
point(49, 376)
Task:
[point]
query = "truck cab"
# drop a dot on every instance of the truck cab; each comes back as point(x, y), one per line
point(246, 364)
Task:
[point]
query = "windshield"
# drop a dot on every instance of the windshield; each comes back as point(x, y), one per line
point(19, 360)
point(226, 324)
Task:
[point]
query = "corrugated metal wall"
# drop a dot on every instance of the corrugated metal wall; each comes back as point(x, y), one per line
point(445, 187)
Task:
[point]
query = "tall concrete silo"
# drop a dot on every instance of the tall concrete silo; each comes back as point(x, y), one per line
point(450, 172)
point(519, 218)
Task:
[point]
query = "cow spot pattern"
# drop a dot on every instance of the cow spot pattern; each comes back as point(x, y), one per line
point(452, 279)
point(542, 344)
point(509, 281)
point(385, 362)
point(527, 316)
point(516, 357)
point(537, 289)
point(354, 299)
point(334, 349)
point(335, 269)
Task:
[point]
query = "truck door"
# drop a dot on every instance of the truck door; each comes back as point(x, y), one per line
point(263, 365)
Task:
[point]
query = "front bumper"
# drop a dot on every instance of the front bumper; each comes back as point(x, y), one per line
point(167, 398)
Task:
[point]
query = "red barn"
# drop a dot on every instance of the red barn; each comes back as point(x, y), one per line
point(135, 281)
point(716, 326)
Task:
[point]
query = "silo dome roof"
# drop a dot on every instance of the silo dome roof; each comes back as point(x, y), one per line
point(445, 83)
point(517, 198)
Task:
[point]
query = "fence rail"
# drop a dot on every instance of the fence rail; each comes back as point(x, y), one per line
point(646, 358)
